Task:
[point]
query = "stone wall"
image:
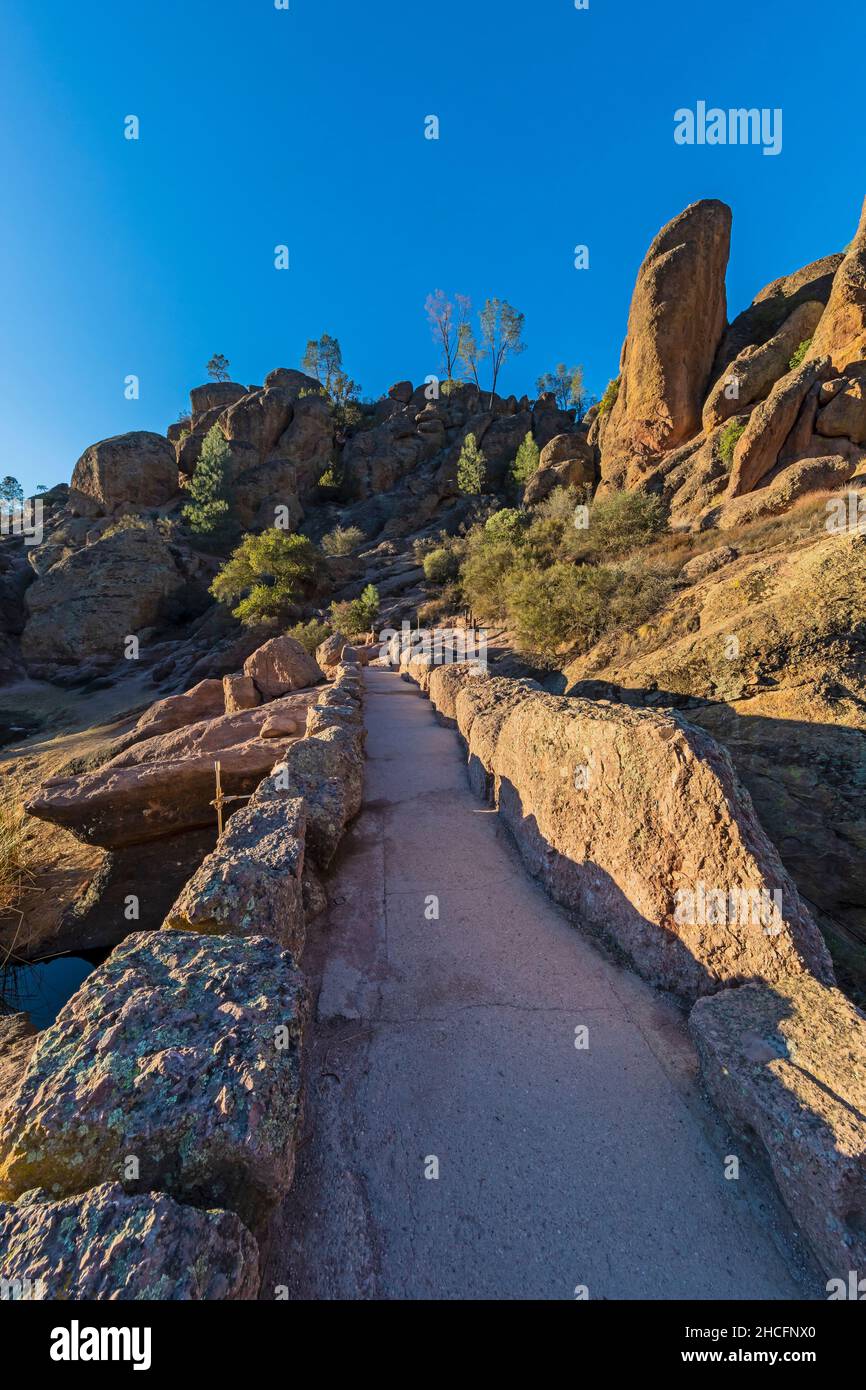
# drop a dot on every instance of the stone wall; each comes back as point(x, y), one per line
point(153, 1128)
point(628, 817)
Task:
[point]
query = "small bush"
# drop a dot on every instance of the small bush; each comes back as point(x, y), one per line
point(728, 439)
point(624, 521)
point(482, 577)
point(342, 540)
point(440, 565)
point(574, 605)
point(504, 525)
point(310, 634)
point(356, 616)
point(611, 391)
point(800, 353)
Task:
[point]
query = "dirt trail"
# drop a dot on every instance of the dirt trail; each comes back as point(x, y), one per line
point(454, 1039)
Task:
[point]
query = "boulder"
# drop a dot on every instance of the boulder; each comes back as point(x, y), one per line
point(203, 701)
point(280, 666)
point(260, 488)
point(258, 419)
point(164, 785)
point(180, 1051)
point(756, 369)
point(293, 382)
point(786, 1064)
point(707, 562)
point(126, 473)
point(566, 461)
point(106, 1244)
point(773, 305)
point(401, 391)
point(251, 884)
point(213, 395)
point(677, 317)
point(17, 1041)
point(758, 448)
point(308, 442)
point(844, 415)
point(330, 653)
point(239, 693)
point(841, 334)
point(106, 592)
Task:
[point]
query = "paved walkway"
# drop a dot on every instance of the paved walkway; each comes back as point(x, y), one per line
point(451, 1041)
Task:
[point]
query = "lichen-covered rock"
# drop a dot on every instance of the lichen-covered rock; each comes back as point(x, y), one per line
point(124, 474)
point(251, 884)
point(785, 486)
point(280, 666)
point(17, 1041)
point(107, 1244)
point(786, 1063)
point(181, 1052)
point(445, 682)
point(327, 770)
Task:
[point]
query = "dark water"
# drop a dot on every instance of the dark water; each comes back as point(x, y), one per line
point(42, 989)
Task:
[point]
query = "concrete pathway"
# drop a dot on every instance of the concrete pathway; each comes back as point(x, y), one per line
point(449, 1043)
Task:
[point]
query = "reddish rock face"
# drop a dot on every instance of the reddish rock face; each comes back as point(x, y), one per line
point(203, 701)
point(677, 317)
point(841, 334)
point(124, 474)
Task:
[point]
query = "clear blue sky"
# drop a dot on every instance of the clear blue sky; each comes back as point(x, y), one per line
point(305, 127)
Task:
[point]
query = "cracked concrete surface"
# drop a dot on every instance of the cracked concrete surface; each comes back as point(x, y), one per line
point(454, 1039)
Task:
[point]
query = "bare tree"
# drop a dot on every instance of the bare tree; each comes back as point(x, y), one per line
point(446, 318)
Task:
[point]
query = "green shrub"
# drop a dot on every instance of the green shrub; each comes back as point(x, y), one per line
point(800, 353)
point(526, 461)
point(342, 540)
point(483, 574)
point(471, 468)
point(611, 391)
point(504, 525)
point(356, 616)
point(574, 605)
point(624, 521)
point(732, 432)
point(208, 512)
point(267, 575)
point(440, 565)
point(310, 634)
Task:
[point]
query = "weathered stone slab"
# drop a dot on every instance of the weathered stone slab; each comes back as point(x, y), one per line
point(251, 885)
point(787, 1063)
point(109, 1245)
point(180, 1052)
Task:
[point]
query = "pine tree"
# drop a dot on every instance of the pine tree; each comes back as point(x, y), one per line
point(471, 467)
point(526, 462)
point(208, 513)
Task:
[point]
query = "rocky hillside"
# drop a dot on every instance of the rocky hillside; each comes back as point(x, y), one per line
point(750, 433)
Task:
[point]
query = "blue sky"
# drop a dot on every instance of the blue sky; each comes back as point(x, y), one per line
point(306, 127)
